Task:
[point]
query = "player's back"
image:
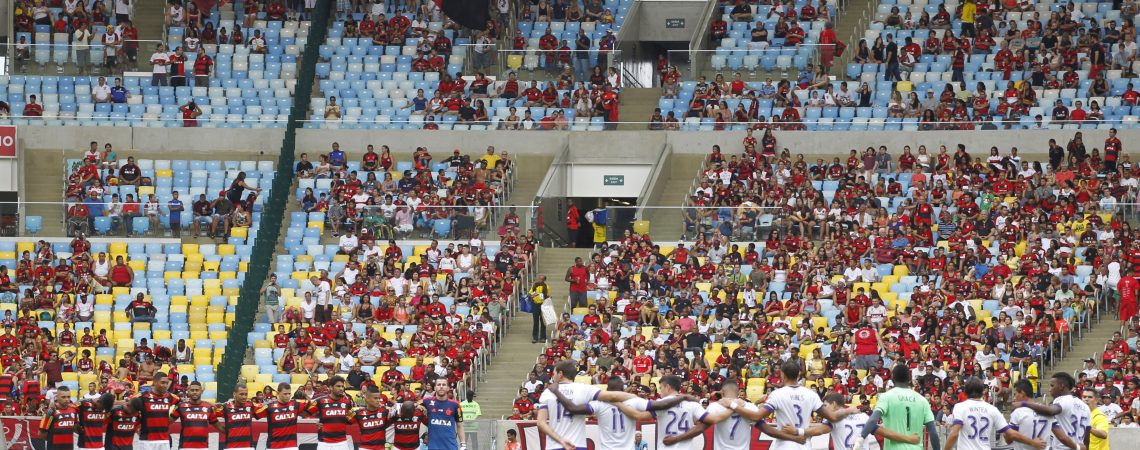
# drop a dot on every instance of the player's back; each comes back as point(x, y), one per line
point(1032, 425)
point(1074, 419)
point(734, 433)
point(980, 422)
point(907, 412)
point(846, 431)
point(617, 429)
point(677, 420)
point(792, 405)
point(571, 427)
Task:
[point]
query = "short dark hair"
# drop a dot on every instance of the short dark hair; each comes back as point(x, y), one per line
point(673, 381)
point(195, 383)
point(1024, 387)
point(791, 369)
point(834, 398)
point(615, 384)
point(568, 368)
point(334, 380)
point(1066, 379)
point(974, 387)
point(900, 374)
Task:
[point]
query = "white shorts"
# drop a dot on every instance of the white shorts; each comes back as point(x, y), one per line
point(152, 445)
point(334, 446)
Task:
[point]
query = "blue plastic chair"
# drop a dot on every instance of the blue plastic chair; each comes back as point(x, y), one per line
point(33, 224)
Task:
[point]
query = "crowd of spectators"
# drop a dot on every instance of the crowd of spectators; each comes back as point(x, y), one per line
point(403, 316)
point(1035, 56)
point(459, 196)
point(954, 265)
point(90, 178)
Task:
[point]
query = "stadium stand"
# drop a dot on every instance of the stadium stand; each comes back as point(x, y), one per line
point(767, 37)
point(792, 259)
point(397, 312)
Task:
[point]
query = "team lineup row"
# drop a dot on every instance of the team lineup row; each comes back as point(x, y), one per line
point(143, 422)
point(902, 418)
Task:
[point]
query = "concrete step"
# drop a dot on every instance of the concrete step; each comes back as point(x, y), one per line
point(637, 105)
point(665, 223)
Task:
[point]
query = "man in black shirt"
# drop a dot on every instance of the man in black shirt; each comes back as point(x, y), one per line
point(304, 167)
point(202, 214)
point(129, 173)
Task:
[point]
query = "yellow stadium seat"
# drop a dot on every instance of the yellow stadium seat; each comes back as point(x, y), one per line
point(25, 246)
point(117, 248)
point(514, 62)
point(238, 232)
point(317, 225)
point(190, 249)
point(340, 258)
point(211, 266)
point(226, 249)
point(901, 270)
point(161, 334)
point(104, 299)
point(753, 393)
point(119, 316)
point(7, 255)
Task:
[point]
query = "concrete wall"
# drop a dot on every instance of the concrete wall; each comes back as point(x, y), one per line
point(651, 20)
point(586, 147)
point(586, 180)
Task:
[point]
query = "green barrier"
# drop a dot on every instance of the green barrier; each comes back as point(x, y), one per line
point(273, 214)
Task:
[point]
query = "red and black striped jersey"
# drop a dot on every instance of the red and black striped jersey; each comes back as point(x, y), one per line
point(92, 424)
point(333, 417)
point(7, 386)
point(122, 431)
point(373, 428)
point(197, 420)
point(281, 420)
point(407, 435)
point(155, 421)
point(59, 428)
point(239, 423)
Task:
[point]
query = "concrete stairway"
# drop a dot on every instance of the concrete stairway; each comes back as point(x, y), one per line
point(45, 181)
point(496, 394)
point(850, 30)
point(150, 19)
point(637, 105)
point(530, 170)
point(1091, 345)
point(665, 223)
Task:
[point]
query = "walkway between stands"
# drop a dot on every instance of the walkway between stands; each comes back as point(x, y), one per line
point(496, 395)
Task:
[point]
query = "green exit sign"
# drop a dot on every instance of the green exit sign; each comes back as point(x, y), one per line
point(613, 180)
point(678, 22)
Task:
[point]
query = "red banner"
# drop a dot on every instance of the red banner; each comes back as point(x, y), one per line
point(7, 141)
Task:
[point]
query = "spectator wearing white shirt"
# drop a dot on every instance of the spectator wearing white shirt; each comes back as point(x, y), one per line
point(323, 294)
point(101, 92)
point(159, 59)
point(349, 243)
point(81, 39)
point(308, 308)
point(1108, 406)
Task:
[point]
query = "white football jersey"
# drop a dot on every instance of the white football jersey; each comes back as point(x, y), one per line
point(981, 423)
point(846, 431)
point(616, 429)
point(733, 433)
point(571, 427)
point(677, 420)
point(792, 405)
point(1032, 425)
point(1074, 420)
